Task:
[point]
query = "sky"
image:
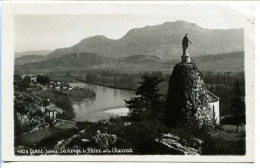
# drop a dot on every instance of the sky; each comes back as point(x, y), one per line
point(49, 32)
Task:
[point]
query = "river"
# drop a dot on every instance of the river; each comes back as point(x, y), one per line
point(107, 102)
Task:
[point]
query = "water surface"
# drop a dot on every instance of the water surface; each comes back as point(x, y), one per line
point(107, 102)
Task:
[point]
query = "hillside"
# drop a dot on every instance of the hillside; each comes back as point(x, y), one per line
point(163, 40)
point(141, 59)
point(66, 62)
point(28, 59)
point(37, 52)
point(233, 61)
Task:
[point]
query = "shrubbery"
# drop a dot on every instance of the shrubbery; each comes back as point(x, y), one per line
point(42, 79)
point(220, 146)
point(65, 105)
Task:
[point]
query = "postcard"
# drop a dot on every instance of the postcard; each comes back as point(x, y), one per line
point(128, 81)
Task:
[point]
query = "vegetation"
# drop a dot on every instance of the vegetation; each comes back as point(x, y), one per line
point(42, 79)
point(146, 105)
point(27, 113)
point(78, 94)
point(21, 83)
point(237, 107)
point(60, 100)
point(141, 135)
point(65, 105)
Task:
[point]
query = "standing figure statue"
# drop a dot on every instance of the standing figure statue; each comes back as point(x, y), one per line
point(185, 44)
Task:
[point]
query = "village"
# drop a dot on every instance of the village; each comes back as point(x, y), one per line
point(39, 102)
point(47, 85)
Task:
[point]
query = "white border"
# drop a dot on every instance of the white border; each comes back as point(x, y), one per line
point(69, 8)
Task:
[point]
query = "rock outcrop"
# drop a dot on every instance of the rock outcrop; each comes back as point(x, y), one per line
point(104, 140)
point(188, 99)
point(175, 143)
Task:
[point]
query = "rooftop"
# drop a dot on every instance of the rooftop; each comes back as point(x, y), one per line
point(213, 98)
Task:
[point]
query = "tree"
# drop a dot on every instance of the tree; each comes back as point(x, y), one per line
point(146, 104)
point(37, 115)
point(237, 107)
point(26, 82)
point(66, 105)
point(43, 79)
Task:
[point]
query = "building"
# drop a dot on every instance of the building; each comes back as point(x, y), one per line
point(64, 86)
point(214, 104)
point(57, 87)
point(33, 78)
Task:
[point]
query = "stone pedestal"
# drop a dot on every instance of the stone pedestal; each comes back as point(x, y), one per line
point(185, 59)
point(187, 102)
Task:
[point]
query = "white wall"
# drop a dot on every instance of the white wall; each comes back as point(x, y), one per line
point(216, 110)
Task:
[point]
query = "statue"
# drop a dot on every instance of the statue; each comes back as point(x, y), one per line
point(185, 44)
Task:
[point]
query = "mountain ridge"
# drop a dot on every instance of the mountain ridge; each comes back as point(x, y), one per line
point(163, 40)
point(66, 62)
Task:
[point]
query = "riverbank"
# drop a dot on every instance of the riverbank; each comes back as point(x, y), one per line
point(75, 96)
point(122, 111)
point(115, 87)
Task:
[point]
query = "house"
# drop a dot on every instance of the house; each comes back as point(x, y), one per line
point(64, 86)
point(214, 104)
point(57, 87)
point(33, 78)
point(53, 114)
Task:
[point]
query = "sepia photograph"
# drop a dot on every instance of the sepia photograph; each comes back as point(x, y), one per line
point(160, 80)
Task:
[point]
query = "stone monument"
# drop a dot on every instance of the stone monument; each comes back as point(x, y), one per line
point(187, 102)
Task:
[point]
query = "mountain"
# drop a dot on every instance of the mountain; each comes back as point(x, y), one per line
point(28, 59)
point(66, 62)
point(163, 40)
point(36, 52)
